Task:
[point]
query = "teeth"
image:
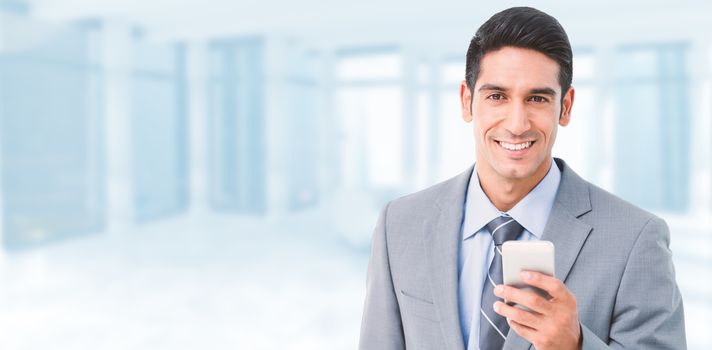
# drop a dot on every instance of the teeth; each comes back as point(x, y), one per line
point(515, 146)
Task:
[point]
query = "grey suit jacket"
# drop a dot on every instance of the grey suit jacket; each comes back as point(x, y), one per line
point(612, 256)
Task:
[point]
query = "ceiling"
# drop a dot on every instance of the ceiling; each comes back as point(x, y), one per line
point(340, 20)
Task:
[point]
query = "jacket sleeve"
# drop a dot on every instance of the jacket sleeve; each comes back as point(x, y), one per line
point(381, 326)
point(648, 313)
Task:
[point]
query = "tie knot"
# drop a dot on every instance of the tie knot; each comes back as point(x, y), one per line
point(503, 229)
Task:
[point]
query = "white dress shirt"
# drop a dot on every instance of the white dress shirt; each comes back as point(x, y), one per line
point(477, 250)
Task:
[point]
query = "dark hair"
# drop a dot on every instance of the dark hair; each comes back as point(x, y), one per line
point(523, 27)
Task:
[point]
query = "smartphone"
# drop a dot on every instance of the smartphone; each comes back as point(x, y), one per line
point(518, 256)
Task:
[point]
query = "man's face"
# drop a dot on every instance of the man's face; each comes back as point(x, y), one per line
point(516, 106)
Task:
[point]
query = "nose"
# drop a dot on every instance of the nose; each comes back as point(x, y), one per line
point(517, 120)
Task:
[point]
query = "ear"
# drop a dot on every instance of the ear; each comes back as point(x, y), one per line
point(466, 101)
point(566, 105)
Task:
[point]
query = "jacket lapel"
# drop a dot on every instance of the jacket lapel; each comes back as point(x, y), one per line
point(565, 230)
point(442, 238)
point(564, 227)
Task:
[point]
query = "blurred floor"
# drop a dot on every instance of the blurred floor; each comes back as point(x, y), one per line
point(213, 282)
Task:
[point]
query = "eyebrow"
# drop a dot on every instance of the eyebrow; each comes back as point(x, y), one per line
point(537, 91)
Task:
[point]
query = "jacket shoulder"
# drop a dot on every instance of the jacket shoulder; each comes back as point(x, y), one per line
point(609, 206)
point(596, 205)
point(427, 201)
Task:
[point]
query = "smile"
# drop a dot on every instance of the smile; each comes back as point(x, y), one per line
point(515, 146)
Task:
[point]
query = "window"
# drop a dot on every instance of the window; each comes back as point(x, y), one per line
point(365, 66)
point(19, 7)
point(576, 143)
point(50, 133)
point(236, 125)
point(369, 103)
point(456, 138)
point(158, 109)
point(303, 122)
point(652, 126)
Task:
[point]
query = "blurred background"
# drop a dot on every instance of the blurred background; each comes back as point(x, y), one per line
point(207, 174)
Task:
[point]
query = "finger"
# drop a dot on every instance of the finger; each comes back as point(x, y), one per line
point(523, 297)
point(525, 332)
point(516, 314)
point(549, 284)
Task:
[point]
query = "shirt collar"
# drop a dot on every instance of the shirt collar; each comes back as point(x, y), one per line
point(532, 212)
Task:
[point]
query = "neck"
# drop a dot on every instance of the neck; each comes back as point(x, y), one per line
point(505, 192)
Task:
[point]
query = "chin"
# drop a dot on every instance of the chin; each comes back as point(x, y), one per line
point(516, 172)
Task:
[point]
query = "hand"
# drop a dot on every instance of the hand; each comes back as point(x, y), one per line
point(552, 323)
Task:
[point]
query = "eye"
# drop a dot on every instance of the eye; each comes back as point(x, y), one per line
point(495, 97)
point(539, 99)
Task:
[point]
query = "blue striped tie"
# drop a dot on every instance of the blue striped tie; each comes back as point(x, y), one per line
point(493, 327)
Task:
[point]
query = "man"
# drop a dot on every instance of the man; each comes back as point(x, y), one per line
point(434, 276)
